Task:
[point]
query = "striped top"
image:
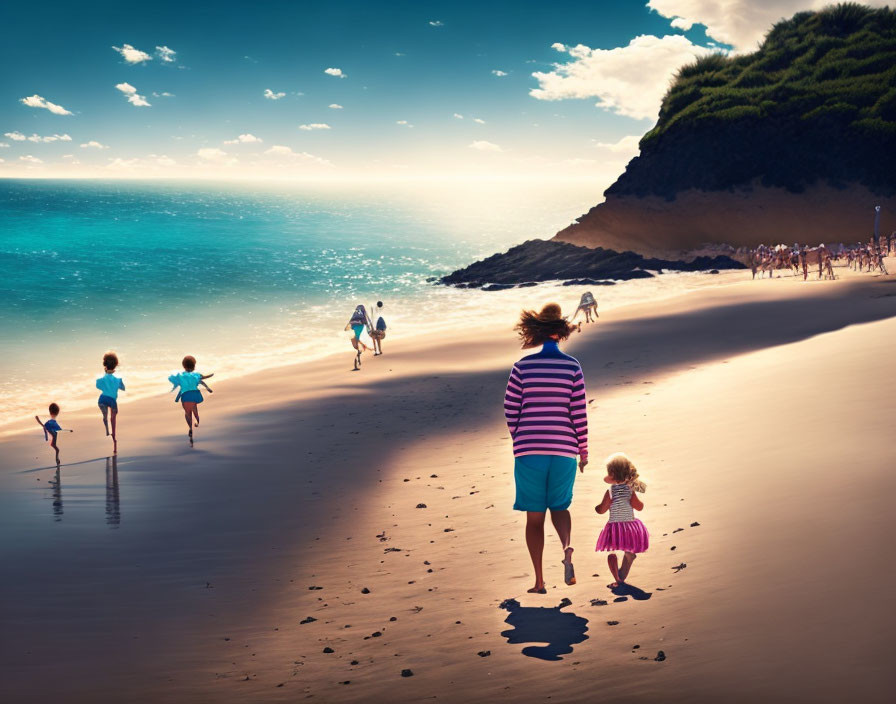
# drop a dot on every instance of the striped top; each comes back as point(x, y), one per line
point(545, 405)
point(621, 506)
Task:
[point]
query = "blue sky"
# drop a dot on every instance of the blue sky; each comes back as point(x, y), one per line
point(427, 87)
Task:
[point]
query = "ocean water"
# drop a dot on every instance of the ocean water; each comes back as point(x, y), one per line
point(246, 277)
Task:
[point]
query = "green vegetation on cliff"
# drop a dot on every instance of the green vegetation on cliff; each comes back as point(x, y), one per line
point(816, 102)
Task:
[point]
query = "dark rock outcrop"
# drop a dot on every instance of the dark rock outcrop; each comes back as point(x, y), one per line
point(549, 260)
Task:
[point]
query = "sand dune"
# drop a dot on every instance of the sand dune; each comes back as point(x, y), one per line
point(369, 515)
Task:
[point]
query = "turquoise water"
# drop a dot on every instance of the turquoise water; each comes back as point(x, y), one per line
point(243, 277)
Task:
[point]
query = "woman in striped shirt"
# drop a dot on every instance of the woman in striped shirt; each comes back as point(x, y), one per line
point(546, 413)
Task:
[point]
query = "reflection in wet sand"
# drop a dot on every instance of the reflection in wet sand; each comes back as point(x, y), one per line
point(56, 483)
point(113, 506)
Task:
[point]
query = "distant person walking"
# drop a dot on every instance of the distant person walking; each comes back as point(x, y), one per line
point(52, 429)
point(189, 395)
point(588, 306)
point(546, 411)
point(357, 323)
point(109, 385)
point(378, 333)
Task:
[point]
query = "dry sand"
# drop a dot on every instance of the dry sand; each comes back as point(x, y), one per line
point(759, 411)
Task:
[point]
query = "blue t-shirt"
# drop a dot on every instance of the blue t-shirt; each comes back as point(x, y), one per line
point(51, 426)
point(109, 385)
point(187, 381)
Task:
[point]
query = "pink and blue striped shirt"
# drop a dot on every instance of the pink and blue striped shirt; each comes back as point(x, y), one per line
point(545, 405)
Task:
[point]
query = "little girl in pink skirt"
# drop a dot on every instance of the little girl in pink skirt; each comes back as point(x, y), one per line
point(623, 531)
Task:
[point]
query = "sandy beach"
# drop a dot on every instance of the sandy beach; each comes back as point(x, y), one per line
point(332, 530)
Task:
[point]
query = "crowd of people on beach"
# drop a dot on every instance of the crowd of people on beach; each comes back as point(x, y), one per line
point(862, 256)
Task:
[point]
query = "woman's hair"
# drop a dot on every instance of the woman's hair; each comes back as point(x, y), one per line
point(189, 363)
point(537, 328)
point(621, 469)
point(54, 409)
point(110, 361)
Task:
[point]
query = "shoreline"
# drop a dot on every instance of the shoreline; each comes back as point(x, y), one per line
point(496, 303)
point(207, 579)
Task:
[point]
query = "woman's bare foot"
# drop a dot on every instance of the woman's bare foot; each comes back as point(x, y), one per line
point(537, 590)
point(614, 570)
point(569, 573)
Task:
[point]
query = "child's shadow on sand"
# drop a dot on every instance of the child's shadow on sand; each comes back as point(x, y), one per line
point(544, 625)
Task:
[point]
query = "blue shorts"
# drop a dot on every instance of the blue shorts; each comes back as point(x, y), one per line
point(357, 329)
point(544, 482)
point(194, 396)
point(107, 401)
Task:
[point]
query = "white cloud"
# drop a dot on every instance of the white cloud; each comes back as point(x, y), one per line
point(19, 137)
point(617, 77)
point(271, 95)
point(557, 46)
point(164, 94)
point(436, 23)
point(403, 123)
point(498, 72)
point(93, 144)
point(478, 121)
point(36, 101)
point(4, 145)
point(244, 139)
point(334, 106)
point(626, 147)
point(122, 164)
point(484, 146)
point(133, 97)
point(681, 23)
point(165, 161)
point(740, 23)
point(280, 150)
point(218, 156)
point(31, 159)
point(132, 55)
point(334, 72)
point(165, 54)
point(314, 126)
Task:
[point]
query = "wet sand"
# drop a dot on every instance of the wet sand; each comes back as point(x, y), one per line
point(375, 507)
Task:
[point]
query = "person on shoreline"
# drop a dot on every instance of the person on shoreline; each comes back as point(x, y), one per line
point(587, 305)
point(109, 385)
point(357, 324)
point(189, 395)
point(546, 411)
point(378, 332)
point(623, 531)
point(52, 428)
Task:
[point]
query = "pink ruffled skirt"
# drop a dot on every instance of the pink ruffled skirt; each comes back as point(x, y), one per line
point(628, 536)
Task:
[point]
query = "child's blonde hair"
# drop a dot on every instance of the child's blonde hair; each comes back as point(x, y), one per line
point(621, 469)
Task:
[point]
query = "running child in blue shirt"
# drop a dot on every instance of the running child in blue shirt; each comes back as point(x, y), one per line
point(52, 428)
point(189, 395)
point(109, 385)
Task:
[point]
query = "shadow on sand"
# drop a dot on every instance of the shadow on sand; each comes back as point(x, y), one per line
point(544, 624)
point(631, 590)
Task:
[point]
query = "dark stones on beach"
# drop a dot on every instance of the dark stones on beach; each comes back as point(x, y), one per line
point(310, 619)
point(328, 649)
point(612, 623)
point(407, 673)
point(660, 656)
point(484, 653)
point(311, 589)
point(564, 602)
point(421, 505)
point(393, 618)
point(680, 567)
point(354, 662)
point(694, 524)
point(598, 602)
